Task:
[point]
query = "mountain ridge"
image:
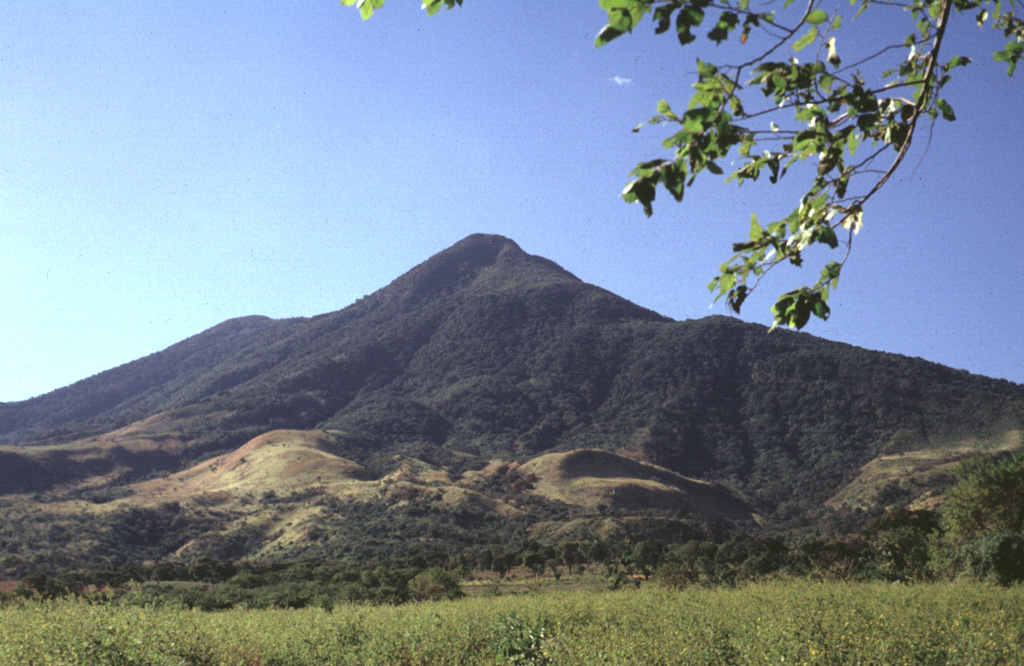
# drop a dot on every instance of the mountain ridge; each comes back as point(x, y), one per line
point(228, 338)
point(485, 353)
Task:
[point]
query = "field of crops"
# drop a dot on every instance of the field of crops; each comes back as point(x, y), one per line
point(769, 623)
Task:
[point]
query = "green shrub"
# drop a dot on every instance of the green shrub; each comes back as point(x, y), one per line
point(434, 584)
point(999, 557)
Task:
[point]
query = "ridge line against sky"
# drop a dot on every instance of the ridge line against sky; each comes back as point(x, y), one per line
point(165, 168)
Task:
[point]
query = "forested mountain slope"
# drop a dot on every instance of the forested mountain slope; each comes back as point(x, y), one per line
point(484, 353)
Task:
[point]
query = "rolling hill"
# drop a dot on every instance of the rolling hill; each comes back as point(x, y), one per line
point(486, 390)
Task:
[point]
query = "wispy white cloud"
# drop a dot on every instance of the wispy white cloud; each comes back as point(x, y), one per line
point(621, 80)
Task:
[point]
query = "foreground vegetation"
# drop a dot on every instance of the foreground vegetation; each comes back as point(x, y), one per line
point(774, 622)
point(914, 587)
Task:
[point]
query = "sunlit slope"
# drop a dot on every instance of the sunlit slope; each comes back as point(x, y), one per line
point(913, 477)
point(592, 479)
point(280, 461)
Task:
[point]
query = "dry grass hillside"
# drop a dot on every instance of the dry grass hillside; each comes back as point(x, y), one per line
point(281, 460)
point(911, 477)
point(591, 478)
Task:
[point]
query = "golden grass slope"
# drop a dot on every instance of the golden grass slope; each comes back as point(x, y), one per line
point(917, 472)
point(591, 478)
point(280, 460)
point(292, 461)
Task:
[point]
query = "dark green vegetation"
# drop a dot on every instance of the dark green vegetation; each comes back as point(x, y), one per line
point(423, 418)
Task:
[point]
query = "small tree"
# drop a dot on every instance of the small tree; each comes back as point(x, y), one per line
point(646, 556)
point(983, 520)
point(901, 553)
point(998, 557)
point(535, 562)
point(485, 558)
point(988, 498)
point(501, 564)
point(570, 555)
point(434, 584)
point(599, 553)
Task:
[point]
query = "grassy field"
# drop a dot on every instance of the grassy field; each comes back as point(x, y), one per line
point(770, 623)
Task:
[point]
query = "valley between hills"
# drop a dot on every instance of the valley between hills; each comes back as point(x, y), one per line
point(485, 399)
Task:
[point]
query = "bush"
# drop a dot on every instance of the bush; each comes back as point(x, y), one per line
point(901, 553)
point(434, 584)
point(676, 575)
point(999, 557)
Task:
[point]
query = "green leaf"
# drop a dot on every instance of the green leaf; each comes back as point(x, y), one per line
point(827, 236)
point(366, 7)
point(946, 109)
point(756, 232)
point(607, 34)
point(696, 120)
point(806, 40)
point(817, 17)
point(623, 15)
point(662, 19)
point(621, 19)
point(1010, 55)
point(666, 111)
point(737, 296)
point(674, 180)
point(959, 61)
point(821, 311)
point(640, 191)
point(727, 22)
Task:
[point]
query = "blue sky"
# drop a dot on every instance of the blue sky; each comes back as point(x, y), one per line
point(167, 166)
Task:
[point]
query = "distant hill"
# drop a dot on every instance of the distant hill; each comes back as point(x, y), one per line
point(485, 358)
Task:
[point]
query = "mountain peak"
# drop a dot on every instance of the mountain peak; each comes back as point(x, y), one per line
point(480, 250)
point(478, 258)
point(483, 243)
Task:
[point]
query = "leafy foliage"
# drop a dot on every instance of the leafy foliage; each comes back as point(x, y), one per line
point(983, 520)
point(988, 498)
point(773, 112)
